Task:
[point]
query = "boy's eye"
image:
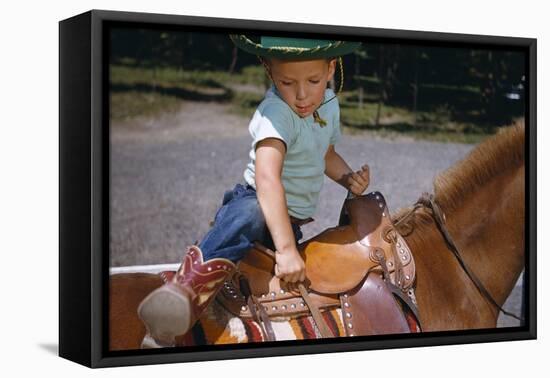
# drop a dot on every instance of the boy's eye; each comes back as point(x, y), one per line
point(286, 82)
point(315, 81)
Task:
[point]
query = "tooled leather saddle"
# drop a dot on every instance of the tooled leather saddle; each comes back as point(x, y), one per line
point(362, 266)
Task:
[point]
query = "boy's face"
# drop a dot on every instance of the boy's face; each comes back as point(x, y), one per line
point(302, 84)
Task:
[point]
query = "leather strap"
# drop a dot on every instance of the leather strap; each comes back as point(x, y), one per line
point(397, 290)
point(392, 239)
point(401, 295)
point(255, 309)
point(315, 313)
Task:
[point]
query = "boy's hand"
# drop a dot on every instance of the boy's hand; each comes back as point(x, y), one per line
point(359, 181)
point(290, 266)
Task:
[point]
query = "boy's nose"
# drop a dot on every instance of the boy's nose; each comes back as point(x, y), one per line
point(301, 92)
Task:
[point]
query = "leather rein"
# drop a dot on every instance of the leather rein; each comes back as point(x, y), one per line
point(259, 313)
point(427, 201)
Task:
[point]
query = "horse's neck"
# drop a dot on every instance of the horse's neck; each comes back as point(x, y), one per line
point(488, 229)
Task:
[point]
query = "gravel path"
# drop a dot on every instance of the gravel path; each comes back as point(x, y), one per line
point(168, 176)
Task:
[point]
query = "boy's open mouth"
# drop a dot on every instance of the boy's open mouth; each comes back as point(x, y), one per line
point(303, 109)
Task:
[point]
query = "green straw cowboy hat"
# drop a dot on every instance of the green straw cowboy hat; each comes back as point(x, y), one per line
point(294, 48)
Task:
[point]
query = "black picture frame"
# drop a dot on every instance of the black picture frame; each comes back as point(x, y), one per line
point(84, 193)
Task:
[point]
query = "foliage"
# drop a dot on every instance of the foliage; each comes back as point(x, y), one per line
point(404, 87)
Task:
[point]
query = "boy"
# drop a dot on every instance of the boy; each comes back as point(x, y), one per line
point(294, 131)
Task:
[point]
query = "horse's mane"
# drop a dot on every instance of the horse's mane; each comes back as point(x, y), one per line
point(488, 159)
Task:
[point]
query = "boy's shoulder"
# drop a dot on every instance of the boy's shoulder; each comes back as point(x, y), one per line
point(270, 95)
point(329, 93)
point(272, 103)
point(332, 105)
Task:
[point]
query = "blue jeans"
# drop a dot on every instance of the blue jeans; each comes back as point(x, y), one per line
point(237, 225)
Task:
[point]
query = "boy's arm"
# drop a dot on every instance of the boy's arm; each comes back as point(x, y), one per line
point(338, 170)
point(271, 195)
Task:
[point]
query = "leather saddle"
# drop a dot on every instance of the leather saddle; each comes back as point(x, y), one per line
point(362, 266)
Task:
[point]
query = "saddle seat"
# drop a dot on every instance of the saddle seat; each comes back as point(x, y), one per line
point(339, 265)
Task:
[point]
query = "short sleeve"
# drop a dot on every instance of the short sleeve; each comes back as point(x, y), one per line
point(336, 131)
point(273, 121)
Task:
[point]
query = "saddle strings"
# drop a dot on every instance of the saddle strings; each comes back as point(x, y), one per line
point(403, 221)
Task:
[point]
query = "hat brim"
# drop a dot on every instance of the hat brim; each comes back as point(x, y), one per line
point(330, 50)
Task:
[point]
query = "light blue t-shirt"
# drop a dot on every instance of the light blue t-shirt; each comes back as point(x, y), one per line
point(306, 145)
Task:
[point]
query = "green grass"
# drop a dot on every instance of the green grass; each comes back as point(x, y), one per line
point(148, 92)
point(365, 116)
point(127, 105)
point(434, 136)
point(178, 77)
point(395, 121)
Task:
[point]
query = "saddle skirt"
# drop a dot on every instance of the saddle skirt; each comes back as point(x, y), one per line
point(338, 262)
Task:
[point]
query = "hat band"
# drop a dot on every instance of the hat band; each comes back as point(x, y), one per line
point(290, 49)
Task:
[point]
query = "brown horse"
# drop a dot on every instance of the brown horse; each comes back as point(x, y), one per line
point(483, 199)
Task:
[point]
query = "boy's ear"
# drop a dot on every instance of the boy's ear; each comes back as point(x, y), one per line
point(331, 68)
